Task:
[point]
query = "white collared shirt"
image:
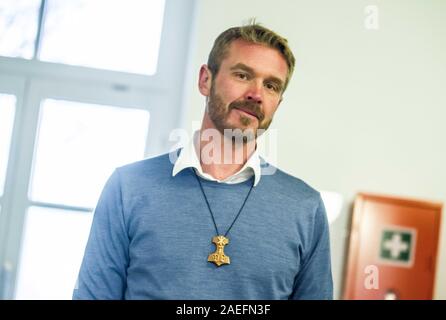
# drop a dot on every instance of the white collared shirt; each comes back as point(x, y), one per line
point(188, 159)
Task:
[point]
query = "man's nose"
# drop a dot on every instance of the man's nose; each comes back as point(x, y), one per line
point(254, 92)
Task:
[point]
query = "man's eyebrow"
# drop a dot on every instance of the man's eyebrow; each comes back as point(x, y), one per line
point(242, 66)
point(276, 80)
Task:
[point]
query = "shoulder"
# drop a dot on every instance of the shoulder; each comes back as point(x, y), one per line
point(289, 186)
point(145, 174)
point(160, 164)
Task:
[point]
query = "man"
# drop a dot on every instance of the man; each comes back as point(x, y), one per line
point(208, 226)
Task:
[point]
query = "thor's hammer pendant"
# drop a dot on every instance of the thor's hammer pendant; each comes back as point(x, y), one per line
point(219, 257)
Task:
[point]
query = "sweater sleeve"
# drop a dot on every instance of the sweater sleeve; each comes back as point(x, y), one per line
point(103, 271)
point(314, 280)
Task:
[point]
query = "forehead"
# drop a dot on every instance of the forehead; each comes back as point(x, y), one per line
point(262, 59)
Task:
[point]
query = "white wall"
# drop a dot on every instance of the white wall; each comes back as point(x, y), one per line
point(365, 110)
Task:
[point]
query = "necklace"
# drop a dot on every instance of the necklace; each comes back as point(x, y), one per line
point(219, 257)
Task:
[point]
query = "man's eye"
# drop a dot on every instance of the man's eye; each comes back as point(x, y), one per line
point(272, 86)
point(242, 76)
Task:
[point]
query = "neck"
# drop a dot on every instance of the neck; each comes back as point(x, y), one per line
point(221, 156)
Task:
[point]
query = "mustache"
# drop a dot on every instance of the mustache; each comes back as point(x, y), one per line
point(249, 106)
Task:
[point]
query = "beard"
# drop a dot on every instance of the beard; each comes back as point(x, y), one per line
point(219, 114)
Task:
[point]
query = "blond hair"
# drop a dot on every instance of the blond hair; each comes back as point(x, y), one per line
point(253, 33)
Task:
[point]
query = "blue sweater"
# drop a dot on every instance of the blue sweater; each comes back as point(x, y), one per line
point(151, 237)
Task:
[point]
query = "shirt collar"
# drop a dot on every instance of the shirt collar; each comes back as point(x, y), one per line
point(188, 158)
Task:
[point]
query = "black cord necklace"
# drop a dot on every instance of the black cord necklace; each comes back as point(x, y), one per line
point(219, 257)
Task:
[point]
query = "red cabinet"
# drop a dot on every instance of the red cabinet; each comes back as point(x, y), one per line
point(393, 248)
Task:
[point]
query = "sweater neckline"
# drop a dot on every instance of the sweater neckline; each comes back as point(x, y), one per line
point(223, 185)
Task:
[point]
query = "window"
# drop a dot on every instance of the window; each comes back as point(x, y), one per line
point(98, 73)
point(7, 107)
point(18, 27)
point(79, 145)
point(52, 249)
point(121, 35)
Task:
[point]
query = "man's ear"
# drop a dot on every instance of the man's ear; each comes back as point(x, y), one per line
point(205, 80)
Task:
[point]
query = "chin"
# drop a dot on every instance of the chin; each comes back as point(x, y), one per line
point(240, 126)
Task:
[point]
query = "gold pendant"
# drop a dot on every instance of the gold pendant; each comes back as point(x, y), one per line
point(219, 257)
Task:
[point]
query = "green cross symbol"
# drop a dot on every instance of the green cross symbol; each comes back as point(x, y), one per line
point(396, 245)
